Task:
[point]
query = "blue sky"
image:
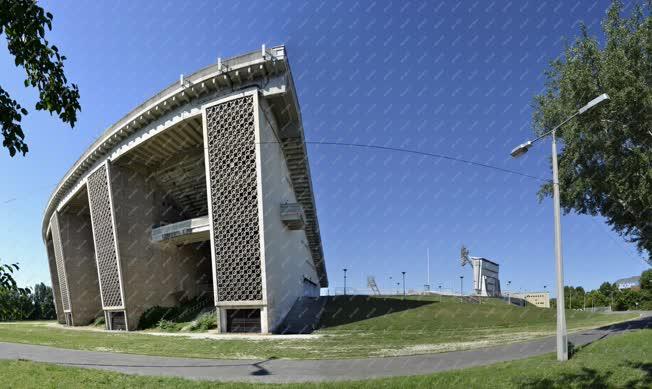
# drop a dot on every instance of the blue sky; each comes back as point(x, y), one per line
point(454, 78)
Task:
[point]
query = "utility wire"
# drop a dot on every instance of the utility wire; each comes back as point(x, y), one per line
point(424, 153)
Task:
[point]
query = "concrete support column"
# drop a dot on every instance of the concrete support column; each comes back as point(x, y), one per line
point(54, 275)
point(232, 162)
point(81, 271)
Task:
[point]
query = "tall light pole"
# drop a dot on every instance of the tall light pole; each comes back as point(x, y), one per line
point(461, 288)
point(509, 293)
point(562, 337)
point(403, 283)
point(344, 280)
point(439, 293)
point(391, 285)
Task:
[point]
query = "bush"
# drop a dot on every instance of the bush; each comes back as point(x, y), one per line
point(152, 316)
point(99, 322)
point(168, 326)
point(206, 321)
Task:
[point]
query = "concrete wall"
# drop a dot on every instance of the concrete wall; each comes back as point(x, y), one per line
point(56, 291)
point(81, 271)
point(153, 273)
point(287, 257)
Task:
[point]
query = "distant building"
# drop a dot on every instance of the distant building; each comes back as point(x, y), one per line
point(629, 283)
point(485, 277)
point(538, 299)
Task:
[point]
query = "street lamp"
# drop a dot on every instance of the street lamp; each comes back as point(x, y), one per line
point(344, 281)
point(403, 283)
point(461, 288)
point(509, 293)
point(391, 286)
point(562, 338)
point(439, 293)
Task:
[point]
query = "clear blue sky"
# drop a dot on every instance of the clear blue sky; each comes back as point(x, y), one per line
point(454, 78)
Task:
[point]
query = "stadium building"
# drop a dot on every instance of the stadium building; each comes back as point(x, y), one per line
point(201, 194)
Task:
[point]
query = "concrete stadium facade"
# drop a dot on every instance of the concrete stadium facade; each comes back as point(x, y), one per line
point(202, 193)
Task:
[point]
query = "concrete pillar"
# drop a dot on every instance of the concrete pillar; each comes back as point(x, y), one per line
point(232, 176)
point(56, 291)
point(107, 256)
point(81, 271)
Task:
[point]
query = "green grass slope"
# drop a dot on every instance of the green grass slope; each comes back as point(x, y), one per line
point(353, 326)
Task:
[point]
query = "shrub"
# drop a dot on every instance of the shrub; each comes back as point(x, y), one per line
point(152, 316)
point(167, 325)
point(99, 321)
point(206, 321)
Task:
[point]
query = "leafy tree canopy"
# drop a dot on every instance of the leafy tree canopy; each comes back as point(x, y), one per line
point(9, 288)
point(605, 167)
point(646, 280)
point(24, 24)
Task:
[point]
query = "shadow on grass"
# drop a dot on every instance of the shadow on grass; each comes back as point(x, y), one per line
point(341, 310)
point(585, 378)
point(590, 378)
point(646, 380)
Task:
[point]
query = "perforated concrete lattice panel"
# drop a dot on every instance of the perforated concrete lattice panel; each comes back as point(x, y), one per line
point(104, 237)
point(234, 199)
point(59, 259)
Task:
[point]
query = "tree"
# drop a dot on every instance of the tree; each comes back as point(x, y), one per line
point(43, 302)
point(24, 23)
point(9, 291)
point(605, 167)
point(646, 280)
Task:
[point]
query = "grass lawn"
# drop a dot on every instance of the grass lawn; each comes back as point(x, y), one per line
point(353, 326)
point(619, 361)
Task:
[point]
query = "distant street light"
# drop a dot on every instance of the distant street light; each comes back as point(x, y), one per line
point(391, 285)
point(509, 293)
point(562, 337)
point(461, 288)
point(439, 293)
point(344, 280)
point(403, 283)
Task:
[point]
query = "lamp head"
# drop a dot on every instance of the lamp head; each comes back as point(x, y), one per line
point(593, 103)
point(521, 149)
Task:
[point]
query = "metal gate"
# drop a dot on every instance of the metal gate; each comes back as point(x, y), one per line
point(243, 320)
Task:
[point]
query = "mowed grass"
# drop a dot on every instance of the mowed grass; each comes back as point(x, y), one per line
point(621, 361)
point(353, 326)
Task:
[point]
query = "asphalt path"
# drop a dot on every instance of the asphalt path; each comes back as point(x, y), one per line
point(285, 370)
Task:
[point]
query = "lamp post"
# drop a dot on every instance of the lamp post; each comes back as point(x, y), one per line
point(439, 293)
point(403, 283)
point(391, 285)
point(344, 280)
point(562, 337)
point(461, 288)
point(509, 293)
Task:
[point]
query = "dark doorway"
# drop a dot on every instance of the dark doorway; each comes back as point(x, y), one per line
point(243, 320)
point(68, 319)
point(117, 321)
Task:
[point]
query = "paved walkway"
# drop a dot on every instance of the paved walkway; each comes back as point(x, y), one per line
point(280, 371)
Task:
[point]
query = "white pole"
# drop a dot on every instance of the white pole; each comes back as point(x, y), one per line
point(562, 341)
point(428, 262)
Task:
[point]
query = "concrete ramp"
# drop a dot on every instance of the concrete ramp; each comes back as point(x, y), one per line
point(304, 316)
